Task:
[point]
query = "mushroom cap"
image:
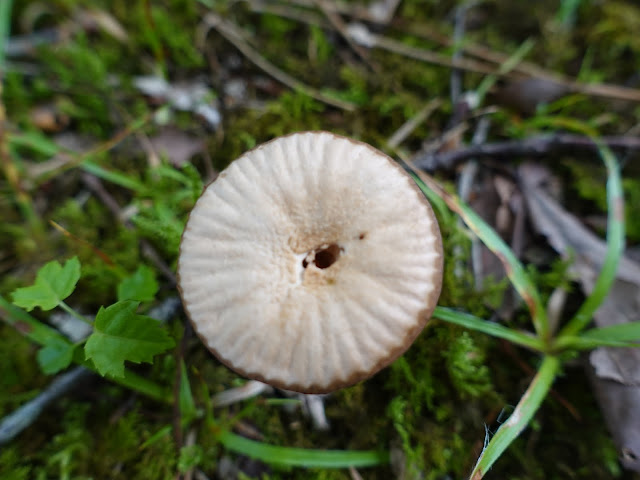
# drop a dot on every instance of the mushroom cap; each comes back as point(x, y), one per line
point(310, 263)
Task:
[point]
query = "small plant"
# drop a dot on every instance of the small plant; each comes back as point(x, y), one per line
point(554, 346)
point(119, 333)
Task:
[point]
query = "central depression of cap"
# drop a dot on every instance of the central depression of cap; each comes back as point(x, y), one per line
point(310, 263)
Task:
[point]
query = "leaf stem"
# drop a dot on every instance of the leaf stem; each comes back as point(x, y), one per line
point(73, 313)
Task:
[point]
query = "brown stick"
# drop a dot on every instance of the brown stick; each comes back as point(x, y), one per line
point(530, 147)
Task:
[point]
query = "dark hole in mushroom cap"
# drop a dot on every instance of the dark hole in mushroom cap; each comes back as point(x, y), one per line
point(327, 256)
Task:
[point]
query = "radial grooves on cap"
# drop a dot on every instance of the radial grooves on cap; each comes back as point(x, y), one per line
point(240, 272)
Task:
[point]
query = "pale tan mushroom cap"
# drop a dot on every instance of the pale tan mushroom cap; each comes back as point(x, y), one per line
point(310, 263)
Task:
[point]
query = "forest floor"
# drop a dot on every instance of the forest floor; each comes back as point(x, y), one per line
point(115, 114)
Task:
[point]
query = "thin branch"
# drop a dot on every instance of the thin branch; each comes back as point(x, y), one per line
point(233, 34)
point(487, 56)
point(531, 147)
point(360, 34)
point(17, 421)
point(95, 185)
point(410, 125)
point(337, 23)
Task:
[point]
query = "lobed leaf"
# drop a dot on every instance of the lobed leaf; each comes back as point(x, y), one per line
point(55, 356)
point(141, 286)
point(53, 284)
point(122, 335)
point(44, 335)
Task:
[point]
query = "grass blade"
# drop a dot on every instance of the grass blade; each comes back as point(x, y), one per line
point(514, 269)
point(28, 326)
point(615, 245)
point(188, 409)
point(5, 25)
point(623, 335)
point(432, 196)
point(629, 332)
point(509, 64)
point(520, 418)
point(301, 457)
point(114, 177)
point(494, 329)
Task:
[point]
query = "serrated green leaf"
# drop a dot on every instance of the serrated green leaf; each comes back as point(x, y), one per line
point(121, 335)
point(141, 286)
point(55, 357)
point(53, 284)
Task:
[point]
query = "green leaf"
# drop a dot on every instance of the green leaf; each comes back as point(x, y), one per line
point(624, 332)
point(301, 457)
point(55, 357)
point(516, 272)
point(28, 326)
point(5, 27)
point(44, 335)
point(490, 328)
point(126, 181)
point(622, 335)
point(35, 141)
point(122, 335)
point(615, 244)
point(520, 418)
point(53, 284)
point(141, 286)
point(188, 409)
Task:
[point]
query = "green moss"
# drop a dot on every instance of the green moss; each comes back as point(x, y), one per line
point(467, 371)
point(21, 379)
point(431, 406)
point(13, 465)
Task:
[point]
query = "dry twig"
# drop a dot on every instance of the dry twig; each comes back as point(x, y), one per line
point(531, 147)
point(489, 57)
point(233, 34)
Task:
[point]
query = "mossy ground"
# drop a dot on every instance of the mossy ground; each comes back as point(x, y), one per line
point(431, 407)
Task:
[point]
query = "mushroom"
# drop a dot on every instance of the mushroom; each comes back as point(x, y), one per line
point(310, 263)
